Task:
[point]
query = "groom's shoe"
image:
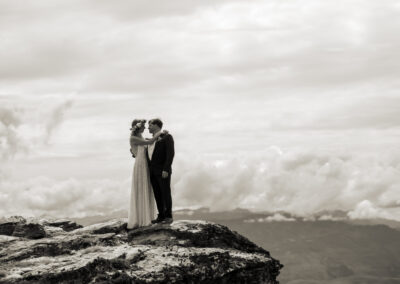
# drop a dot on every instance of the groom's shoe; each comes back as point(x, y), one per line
point(158, 220)
point(167, 221)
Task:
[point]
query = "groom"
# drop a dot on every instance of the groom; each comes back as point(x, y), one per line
point(160, 155)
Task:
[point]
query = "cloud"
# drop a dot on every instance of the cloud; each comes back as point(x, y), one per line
point(365, 112)
point(22, 127)
point(367, 210)
point(125, 11)
point(56, 117)
point(327, 217)
point(259, 48)
point(143, 10)
point(66, 198)
point(277, 217)
point(236, 163)
point(9, 142)
point(230, 78)
point(299, 183)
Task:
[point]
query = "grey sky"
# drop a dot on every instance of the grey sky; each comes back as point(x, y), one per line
point(306, 90)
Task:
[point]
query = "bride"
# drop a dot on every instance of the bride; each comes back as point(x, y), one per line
point(142, 202)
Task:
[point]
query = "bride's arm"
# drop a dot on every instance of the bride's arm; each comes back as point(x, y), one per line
point(134, 140)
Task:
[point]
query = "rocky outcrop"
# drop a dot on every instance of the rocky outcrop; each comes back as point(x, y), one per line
point(34, 228)
point(181, 252)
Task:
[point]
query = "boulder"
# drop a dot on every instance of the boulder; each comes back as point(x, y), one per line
point(8, 224)
point(29, 231)
point(66, 225)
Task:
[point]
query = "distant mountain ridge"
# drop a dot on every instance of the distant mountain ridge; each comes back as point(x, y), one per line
point(204, 213)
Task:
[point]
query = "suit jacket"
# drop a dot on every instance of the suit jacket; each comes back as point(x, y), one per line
point(163, 155)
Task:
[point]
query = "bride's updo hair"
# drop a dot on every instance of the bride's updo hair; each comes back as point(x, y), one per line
point(137, 124)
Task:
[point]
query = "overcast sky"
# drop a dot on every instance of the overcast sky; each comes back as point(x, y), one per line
point(273, 105)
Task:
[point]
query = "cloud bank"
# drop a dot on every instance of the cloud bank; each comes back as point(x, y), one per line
point(301, 177)
point(296, 182)
point(67, 198)
point(299, 183)
point(273, 105)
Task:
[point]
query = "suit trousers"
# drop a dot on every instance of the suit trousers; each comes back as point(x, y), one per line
point(162, 194)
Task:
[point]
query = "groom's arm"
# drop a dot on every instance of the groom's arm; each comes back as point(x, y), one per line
point(170, 152)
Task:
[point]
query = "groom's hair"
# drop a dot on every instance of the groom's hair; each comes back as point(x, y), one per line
point(156, 121)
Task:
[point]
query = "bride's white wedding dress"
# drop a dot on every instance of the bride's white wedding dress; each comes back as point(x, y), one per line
point(142, 202)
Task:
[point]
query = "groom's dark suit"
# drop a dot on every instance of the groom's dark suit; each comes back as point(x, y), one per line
point(160, 161)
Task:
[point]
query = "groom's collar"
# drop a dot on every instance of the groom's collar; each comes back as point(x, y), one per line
point(156, 132)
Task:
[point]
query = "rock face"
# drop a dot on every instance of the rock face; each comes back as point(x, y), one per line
point(181, 252)
point(33, 228)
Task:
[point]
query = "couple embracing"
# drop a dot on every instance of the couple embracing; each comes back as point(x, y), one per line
point(151, 180)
